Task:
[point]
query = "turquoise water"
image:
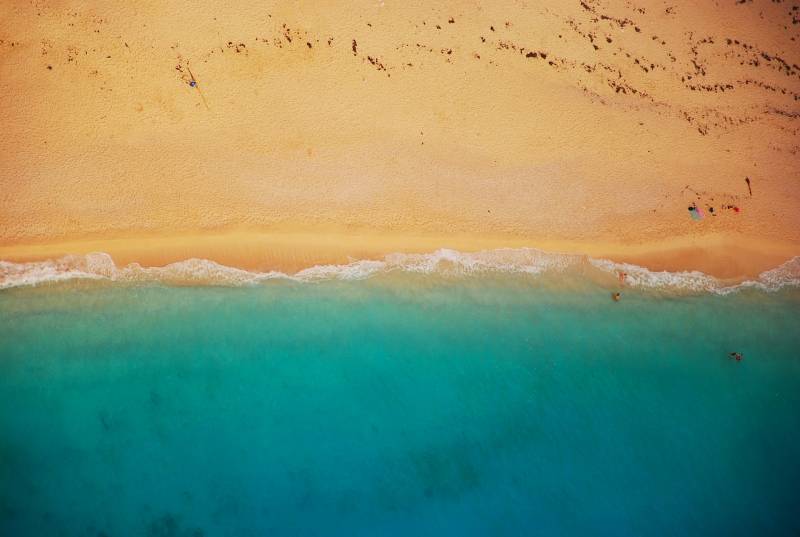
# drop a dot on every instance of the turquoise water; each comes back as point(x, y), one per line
point(409, 405)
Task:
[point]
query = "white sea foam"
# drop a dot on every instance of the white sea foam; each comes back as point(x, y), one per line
point(637, 276)
point(785, 275)
point(529, 261)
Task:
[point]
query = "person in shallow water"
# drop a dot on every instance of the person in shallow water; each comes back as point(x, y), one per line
point(615, 296)
point(736, 355)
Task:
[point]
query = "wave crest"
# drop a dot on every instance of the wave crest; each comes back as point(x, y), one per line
point(100, 266)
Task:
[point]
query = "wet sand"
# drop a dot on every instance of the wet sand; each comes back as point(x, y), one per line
point(290, 252)
point(318, 132)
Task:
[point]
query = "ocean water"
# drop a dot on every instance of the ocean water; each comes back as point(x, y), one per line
point(400, 404)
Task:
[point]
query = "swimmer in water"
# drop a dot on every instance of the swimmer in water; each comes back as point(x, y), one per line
point(615, 296)
point(736, 355)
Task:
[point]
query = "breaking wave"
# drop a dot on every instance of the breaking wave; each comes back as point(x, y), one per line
point(100, 266)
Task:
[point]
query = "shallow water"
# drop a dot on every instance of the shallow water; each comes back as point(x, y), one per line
point(400, 405)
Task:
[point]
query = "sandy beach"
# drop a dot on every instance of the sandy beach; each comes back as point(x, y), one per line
point(283, 135)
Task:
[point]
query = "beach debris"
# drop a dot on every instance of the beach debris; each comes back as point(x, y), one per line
point(690, 189)
point(193, 84)
point(707, 201)
point(734, 208)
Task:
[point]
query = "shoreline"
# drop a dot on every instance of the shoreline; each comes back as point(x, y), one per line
point(324, 135)
point(724, 257)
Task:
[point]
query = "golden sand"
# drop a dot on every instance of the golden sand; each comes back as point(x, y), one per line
point(319, 131)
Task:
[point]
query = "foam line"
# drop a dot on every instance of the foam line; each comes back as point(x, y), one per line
point(529, 261)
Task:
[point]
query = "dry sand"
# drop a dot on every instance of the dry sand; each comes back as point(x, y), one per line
point(322, 130)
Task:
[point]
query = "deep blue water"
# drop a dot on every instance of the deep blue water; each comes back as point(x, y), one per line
point(397, 406)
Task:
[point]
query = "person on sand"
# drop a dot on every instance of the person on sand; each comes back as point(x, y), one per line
point(736, 355)
point(615, 296)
